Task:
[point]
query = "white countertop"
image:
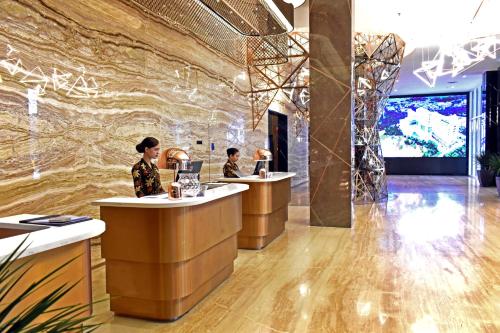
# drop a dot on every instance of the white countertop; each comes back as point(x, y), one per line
point(276, 176)
point(46, 238)
point(161, 201)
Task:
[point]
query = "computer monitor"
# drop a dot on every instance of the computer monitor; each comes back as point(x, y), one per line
point(193, 167)
point(259, 165)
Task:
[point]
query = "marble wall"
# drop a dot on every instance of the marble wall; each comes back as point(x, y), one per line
point(298, 151)
point(331, 59)
point(83, 81)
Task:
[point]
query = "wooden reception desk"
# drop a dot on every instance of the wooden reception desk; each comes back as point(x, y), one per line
point(265, 208)
point(48, 248)
point(163, 256)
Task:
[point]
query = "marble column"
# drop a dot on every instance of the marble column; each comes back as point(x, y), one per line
point(331, 55)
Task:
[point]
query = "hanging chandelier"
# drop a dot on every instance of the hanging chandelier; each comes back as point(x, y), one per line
point(247, 31)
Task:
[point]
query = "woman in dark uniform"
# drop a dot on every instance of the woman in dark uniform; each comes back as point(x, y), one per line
point(146, 174)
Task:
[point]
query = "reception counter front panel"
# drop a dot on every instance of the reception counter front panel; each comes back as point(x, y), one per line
point(161, 261)
point(265, 209)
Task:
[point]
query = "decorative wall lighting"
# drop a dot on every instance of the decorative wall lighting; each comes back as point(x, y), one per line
point(454, 59)
point(377, 63)
point(75, 85)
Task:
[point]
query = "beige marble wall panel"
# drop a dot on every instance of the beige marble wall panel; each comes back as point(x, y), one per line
point(298, 149)
point(108, 75)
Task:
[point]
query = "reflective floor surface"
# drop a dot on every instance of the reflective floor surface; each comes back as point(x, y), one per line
point(425, 261)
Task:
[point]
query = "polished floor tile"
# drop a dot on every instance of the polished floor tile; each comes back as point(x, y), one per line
point(300, 195)
point(425, 261)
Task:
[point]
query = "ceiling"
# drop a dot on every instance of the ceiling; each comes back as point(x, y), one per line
point(426, 26)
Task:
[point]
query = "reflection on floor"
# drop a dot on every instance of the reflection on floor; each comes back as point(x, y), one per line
point(300, 195)
point(425, 261)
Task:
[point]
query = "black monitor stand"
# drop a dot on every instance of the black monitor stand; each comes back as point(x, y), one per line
point(259, 165)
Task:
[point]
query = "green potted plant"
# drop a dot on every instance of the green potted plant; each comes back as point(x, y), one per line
point(14, 317)
point(495, 166)
point(485, 175)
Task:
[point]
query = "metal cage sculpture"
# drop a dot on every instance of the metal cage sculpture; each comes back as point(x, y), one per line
point(377, 63)
point(291, 78)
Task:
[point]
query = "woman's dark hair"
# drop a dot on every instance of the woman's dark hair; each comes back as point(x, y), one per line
point(231, 151)
point(148, 142)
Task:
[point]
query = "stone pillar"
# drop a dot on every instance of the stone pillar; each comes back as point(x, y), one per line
point(331, 70)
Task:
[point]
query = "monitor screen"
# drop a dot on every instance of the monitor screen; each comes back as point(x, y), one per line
point(193, 167)
point(425, 126)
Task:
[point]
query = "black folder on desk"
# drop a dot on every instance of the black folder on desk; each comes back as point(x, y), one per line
point(56, 220)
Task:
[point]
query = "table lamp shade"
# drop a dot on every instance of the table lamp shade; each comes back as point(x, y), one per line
point(173, 159)
point(262, 155)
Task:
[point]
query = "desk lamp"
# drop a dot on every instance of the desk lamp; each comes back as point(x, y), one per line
point(263, 155)
point(174, 159)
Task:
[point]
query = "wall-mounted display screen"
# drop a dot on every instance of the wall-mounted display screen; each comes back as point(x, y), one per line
point(425, 126)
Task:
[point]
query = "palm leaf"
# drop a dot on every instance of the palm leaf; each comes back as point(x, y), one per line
point(31, 289)
point(494, 163)
point(7, 262)
point(23, 320)
point(62, 319)
point(484, 160)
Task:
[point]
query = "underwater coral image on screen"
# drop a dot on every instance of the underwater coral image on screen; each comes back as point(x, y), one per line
point(424, 126)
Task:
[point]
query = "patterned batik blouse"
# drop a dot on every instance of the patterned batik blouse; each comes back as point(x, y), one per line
point(146, 179)
point(230, 169)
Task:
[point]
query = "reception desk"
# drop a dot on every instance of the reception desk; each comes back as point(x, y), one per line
point(163, 256)
point(265, 208)
point(47, 248)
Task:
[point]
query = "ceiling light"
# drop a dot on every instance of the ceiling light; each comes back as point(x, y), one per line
point(272, 6)
point(295, 3)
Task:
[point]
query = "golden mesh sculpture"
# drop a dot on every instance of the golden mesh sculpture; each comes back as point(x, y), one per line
point(241, 30)
point(291, 78)
point(376, 68)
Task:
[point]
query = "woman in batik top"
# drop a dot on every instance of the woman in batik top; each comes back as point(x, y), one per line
point(145, 173)
point(231, 169)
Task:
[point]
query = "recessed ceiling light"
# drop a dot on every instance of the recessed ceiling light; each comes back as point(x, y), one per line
point(464, 76)
point(295, 3)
